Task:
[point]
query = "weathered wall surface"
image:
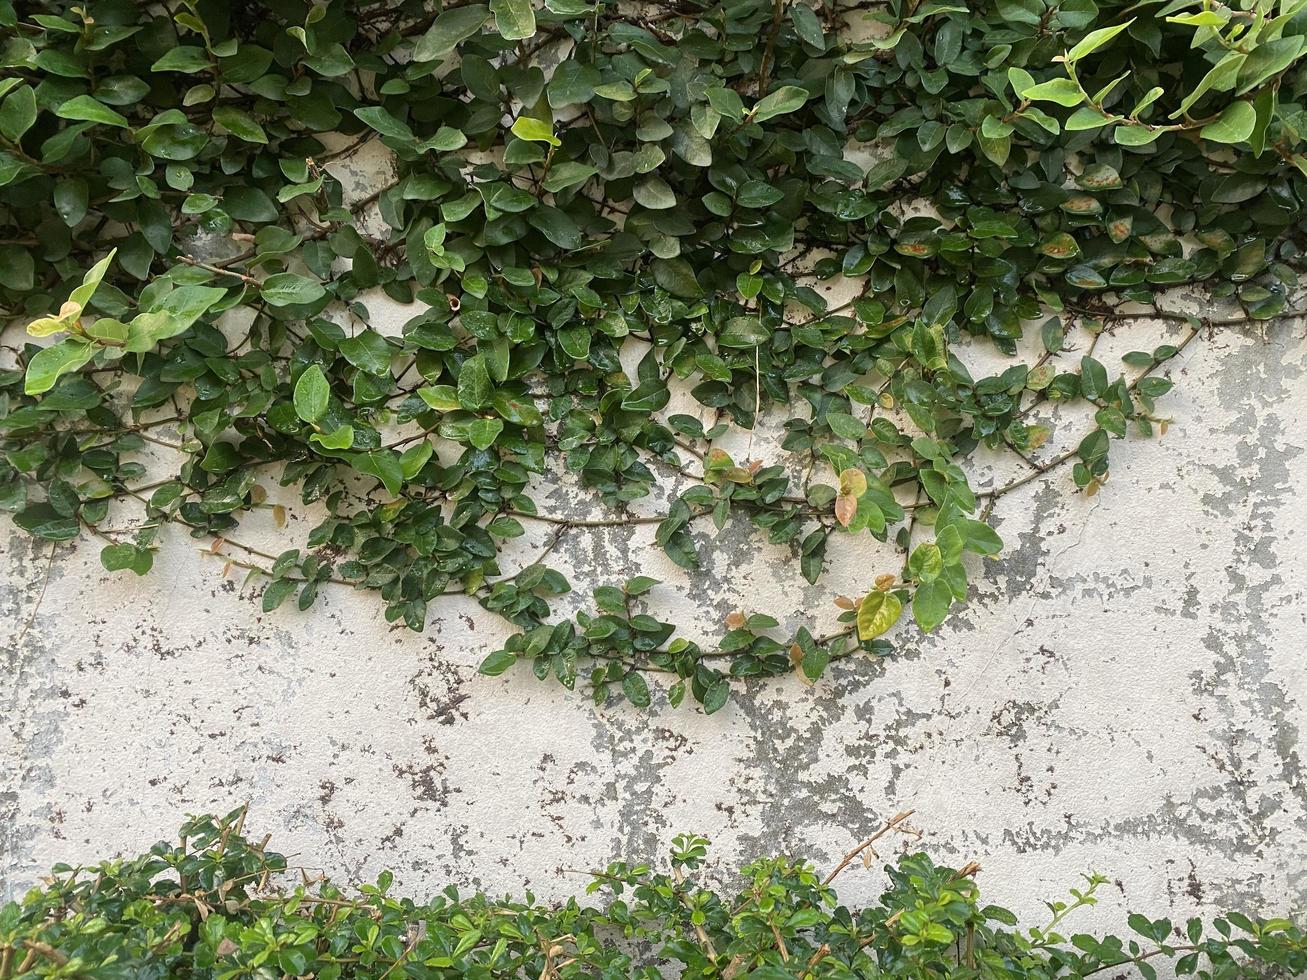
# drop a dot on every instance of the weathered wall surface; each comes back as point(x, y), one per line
point(1125, 691)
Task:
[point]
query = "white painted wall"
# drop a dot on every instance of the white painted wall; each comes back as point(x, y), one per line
point(1124, 692)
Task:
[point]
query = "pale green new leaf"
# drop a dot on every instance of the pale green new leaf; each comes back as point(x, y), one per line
point(514, 19)
point(1234, 126)
point(1137, 135)
point(1094, 40)
point(536, 130)
point(91, 281)
point(49, 364)
point(340, 438)
point(1062, 91)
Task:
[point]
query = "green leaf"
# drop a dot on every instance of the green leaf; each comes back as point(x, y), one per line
point(342, 437)
point(877, 612)
point(744, 331)
point(807, 26)
point(448, 29)
point(926, 562)
point(930, 604)
point(1267, 59)
point(1020, 80)
point(51, 363)
point(369, 352)
point(178, 311)
point(483, 432)
point(446, 139)
point(997, 150)
point(312, 393)
point(414, 458)
point(278, 592)
point(636, 689)
point(726, 101)
point(384, 465)
point(655, 194)
point(815, 661)
point(91, 281)
point(575, 342)
point(18, 271)
point(1100, 177)
point(17, 113)
point(846, 426)
point(43, 521)
point(240, 124)
point(186, 59)
point(442, 398)
point(785, 99)
point(536, 130)
point(1221, 78)
point(1234, 126)
point(1136, 135)
point(715, 698)
point(639, 585)
point(1087, 117)
point(474, 385)
point(557, 226)
point(497, 663)
point(1093, 378)
point(1062, 91)
point(1085, 277)
point(567, 174)
point(980, 537)
point(573, 83)
point(677, 277)
point(291, 289)
point(1095, 40)
point(384, 123)
point(514, 19)
point(123, 557)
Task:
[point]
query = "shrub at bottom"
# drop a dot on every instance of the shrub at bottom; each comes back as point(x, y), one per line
point(217, 905)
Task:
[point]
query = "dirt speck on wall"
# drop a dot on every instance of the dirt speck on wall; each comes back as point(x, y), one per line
point(1124, 691)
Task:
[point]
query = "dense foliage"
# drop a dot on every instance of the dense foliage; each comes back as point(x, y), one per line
point(574, 181)
point(214, 905)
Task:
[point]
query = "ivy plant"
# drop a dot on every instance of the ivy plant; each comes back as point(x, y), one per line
point(215, 905)
point(594, 207)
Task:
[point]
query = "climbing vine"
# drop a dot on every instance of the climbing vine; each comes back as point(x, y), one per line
point(594, 207)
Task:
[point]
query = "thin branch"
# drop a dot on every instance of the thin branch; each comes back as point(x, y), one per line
point(893, 823)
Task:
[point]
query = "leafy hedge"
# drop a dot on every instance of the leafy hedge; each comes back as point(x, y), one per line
point(213, 906)
point(574, 181)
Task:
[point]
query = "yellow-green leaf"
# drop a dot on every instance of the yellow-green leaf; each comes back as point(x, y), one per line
point(877, 612)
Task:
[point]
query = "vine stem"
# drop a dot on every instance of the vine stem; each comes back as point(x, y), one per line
point(1041, 469)
point(572, 522)
point(207, 267)
point(1139, 959)
point(892, 823)
point(778, 11)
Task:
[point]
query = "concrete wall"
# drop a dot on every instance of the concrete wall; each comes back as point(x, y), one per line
point(1123, 692)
